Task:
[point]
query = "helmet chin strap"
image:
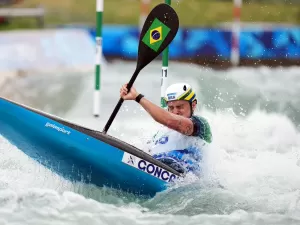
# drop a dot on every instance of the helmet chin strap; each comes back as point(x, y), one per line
point(192, 112)
point(191, 106)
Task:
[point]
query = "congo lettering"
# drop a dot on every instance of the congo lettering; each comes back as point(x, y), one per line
point(155, 171)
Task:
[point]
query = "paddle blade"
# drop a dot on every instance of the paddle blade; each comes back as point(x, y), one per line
point(158, 31)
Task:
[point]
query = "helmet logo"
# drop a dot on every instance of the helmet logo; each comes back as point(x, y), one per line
point(184, 88)
point(171, 96)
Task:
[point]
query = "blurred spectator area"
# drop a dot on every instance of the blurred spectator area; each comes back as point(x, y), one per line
point(9, 2)
point(192, 13)
point(266, 1)
point(9, 11)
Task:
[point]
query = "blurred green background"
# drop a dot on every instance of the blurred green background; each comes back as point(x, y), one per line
point(191, 12)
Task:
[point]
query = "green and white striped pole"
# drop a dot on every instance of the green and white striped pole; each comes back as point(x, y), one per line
point(164, 74)
point(98, 60)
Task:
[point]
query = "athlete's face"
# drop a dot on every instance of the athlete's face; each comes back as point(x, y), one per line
point(181, 107)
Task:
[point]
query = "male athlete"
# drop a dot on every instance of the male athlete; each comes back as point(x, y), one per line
point(178, 145)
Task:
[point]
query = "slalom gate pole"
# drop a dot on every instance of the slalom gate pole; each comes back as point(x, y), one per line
point(98, 59)
point(164, 75)
point(144, 11)
point(235, 38)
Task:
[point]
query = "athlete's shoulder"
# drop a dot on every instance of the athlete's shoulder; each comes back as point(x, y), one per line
point(201, 128)
point(199, 118)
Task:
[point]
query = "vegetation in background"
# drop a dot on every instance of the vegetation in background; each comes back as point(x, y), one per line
point(191, 12)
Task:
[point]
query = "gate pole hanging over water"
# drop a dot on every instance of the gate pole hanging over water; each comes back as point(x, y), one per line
point(235, 38)
point(164, 72)
point(98, 59)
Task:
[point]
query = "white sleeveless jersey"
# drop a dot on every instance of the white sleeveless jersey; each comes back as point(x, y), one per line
point(172, 147)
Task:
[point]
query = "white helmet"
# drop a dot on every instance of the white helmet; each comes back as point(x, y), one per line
point(180, 91)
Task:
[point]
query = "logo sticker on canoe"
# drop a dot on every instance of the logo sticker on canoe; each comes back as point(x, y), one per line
point(59, 129)
point(148, 167)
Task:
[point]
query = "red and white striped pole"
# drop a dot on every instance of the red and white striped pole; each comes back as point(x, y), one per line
point(235, 38)
point(145, 8)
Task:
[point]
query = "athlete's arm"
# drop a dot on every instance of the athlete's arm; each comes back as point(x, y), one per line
point(173, 121)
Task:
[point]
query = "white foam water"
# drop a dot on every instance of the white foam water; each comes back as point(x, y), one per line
point(254, 160)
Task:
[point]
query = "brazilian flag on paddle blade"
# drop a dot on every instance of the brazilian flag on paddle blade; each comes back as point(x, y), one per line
point(156, 34)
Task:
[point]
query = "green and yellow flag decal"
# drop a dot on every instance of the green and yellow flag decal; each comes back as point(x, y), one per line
point(156, 34)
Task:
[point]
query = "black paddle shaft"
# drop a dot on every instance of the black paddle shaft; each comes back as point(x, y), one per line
point(121, 100)
point(158, 31)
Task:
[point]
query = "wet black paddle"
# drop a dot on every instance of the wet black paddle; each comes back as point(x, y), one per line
point(158, 32)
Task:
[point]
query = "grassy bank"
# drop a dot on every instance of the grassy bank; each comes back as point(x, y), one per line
point(191, 12)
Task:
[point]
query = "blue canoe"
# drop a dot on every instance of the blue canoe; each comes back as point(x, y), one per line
point(81, 154)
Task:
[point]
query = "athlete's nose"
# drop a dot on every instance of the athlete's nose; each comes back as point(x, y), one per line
point(177, 112)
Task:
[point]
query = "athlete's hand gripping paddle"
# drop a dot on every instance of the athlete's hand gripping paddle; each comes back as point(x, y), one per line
point(158, 31)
